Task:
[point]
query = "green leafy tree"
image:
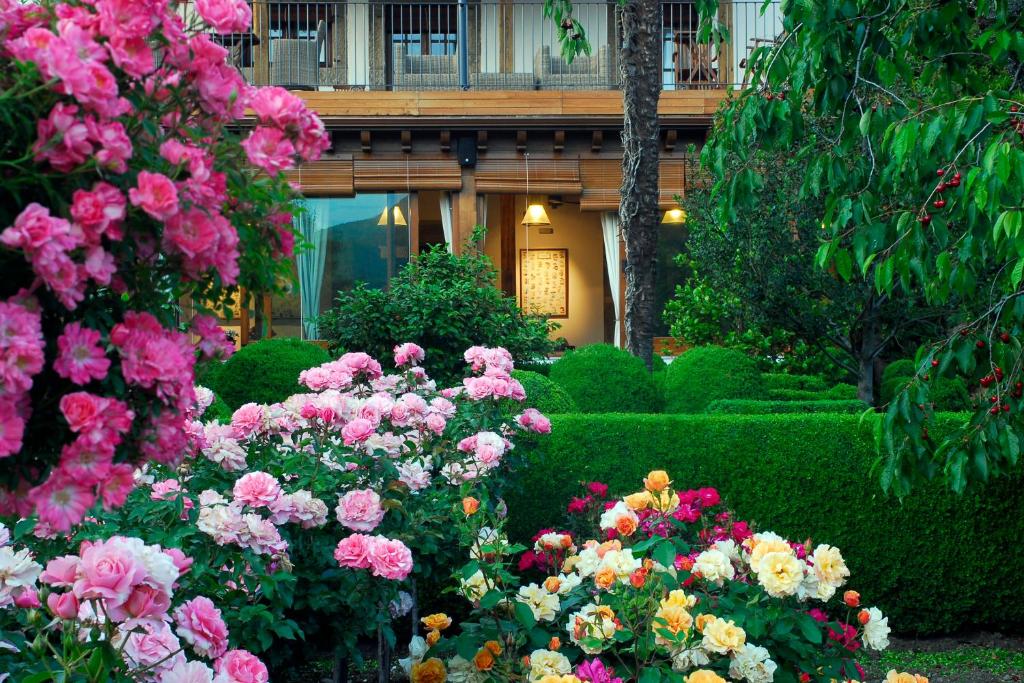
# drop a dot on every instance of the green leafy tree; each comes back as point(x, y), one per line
point(921, 176)
point(757, 288)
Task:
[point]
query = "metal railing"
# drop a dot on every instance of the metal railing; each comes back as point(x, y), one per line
point(480, 44)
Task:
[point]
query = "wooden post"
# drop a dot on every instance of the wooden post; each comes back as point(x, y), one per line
point(464, 209)
point(509, 259)
point(261, 44)
point(243, 317)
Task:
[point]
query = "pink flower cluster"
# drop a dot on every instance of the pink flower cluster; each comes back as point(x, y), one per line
point(360, 510)
point(342, 373)
point(534, 421)
point(386, 558)
point(408, 354)
point(495, 381)
point(285, 129)
point(21, 357)
point(487, 449)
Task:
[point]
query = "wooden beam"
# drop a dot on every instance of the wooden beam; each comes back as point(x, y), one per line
point(406, 137)
point(507, 226)
point(365, 141)
point(481, 141)
point(559, 145)
point(597, 141)
point(446, 141)
point(521, 141)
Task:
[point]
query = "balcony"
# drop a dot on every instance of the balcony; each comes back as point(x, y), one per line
point(480, 45)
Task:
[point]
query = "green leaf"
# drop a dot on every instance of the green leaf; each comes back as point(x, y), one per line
point(649, 675)
point(811, 630)
point(844, 264)
point(865, 122)
point(491, 598)
point(665, 553)
point(525, 615)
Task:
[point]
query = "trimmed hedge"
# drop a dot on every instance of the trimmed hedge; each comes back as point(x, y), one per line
point(793, 382)
point(218, 411)
point(947, 393)
point(738, 406)
point(266, 371)
point(794, 395)
point(899, 368)
point(841, 391)
point(543, 394)
point(936, 563)
point(539, 368)
point(707, 373)
point(605, 379)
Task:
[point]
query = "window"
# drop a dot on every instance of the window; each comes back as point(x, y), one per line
point(299, 21)
point(422, 30)
point(685, 60)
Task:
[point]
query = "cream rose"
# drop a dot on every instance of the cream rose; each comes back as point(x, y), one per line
point(714, 566)
point(723, 637)
point(830, 566)
point(780, 573)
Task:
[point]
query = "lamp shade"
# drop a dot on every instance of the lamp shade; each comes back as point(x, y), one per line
point(675, 216)
point(536, 215)
point(397, 215)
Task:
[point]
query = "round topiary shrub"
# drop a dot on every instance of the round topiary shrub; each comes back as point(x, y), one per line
point(708, 373)
point(603, 379)
point(218, 411)
point(899, 368)
point(543, 394)
point(266, 371)
point(841, 392)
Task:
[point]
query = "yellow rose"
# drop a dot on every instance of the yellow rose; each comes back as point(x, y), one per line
point(470, 505)
point(494, 646)
point(763, 546)
point(703, 620)
point(704, 676)
point(428, 671)
point(604, 578)
point(639, 501)
point(723, 637)
point(664, 502)
point(830, 566)
point(893, 677)
point(552, 584)
point(657, 480)
point(672, 618)
point(678, 598)
point(780, 574)
point(551, 678)
point(439, 621)
point(433, 635)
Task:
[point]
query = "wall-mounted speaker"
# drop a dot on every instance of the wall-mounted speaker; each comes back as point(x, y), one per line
point(467, 151)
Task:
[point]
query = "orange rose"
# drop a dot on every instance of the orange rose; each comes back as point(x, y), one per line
point(433, 636)
point(625, 525)
point(494, 646)
point(638, 501)
point(863, 616)
point(851, 598)
point(604, 578)
point(686, 564)
point(552, 584)
point(439, 621)
point(429, 671)
point(656, 481)
point(703, 620)
point(555, 644)
point(638, 578)
point(483, 660)
point(470, 505)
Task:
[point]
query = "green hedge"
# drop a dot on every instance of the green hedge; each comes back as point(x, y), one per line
point(899, 368)
point(793, 382)
point(604, 379)
point(218, 411)
point(794, 395)
point(841, 391)
point(543, 394)
point(946, 393)
point(707, 373)
point(935, 563)
point(266, 371)
point(736, 406)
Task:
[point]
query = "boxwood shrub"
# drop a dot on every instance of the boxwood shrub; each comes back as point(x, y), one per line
point(794, 395)
point(947, 393)
point(935, 562)
point(218, 411)
point(266, 371)
point(544, 394)
point(605, 379)
point(797, 382)
point(738, 406)
point(707, 373)
point(841, 391)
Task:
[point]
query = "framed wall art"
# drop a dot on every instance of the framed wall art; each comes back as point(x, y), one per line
point(544, 282)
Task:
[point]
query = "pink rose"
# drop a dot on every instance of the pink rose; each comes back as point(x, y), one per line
point(188, 672)
point(256, 489)
point(225, 16)
point(408, 354)
point(249, 419)
point(145, 602)
point(240, 666)
point(152, 645)
point(180, 560)
point(156, 194)
point(436, 423)
point(81, 409)
point(27, 598)
point(533, 420)
point(354, 551)
point(109, 570)
point(60, 571)
point(390, 559)
point(63, 605)
point(360, 510)
point(200, 624)
point(358, 430)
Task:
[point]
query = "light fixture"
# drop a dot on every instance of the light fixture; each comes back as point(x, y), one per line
point(674, 216)
point(396, 214)
point(677, 215)
point(535, 213)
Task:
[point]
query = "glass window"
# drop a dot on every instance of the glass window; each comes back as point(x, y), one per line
point(353, 239)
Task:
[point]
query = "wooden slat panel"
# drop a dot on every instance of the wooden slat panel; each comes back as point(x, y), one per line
point(395, 174)
point(560, 176)
point(602, 179)
point(327, 177)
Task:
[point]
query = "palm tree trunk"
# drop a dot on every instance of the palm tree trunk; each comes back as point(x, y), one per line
point(640, 72)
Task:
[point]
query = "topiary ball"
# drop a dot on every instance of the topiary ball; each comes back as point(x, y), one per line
point(708, 373)
point(603, 379)
point(218, 411)
point(899, 368)
point(543, 394)
point(267, 371)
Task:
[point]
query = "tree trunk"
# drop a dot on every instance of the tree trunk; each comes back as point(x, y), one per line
point(640, 74)
point(867, 361)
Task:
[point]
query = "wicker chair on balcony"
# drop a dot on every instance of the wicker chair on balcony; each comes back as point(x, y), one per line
point(423, 72)
point(593, 72)
point(296, 61)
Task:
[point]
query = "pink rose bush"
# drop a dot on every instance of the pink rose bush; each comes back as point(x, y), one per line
point(660, 584)
point(128, 186)
point(321, 510)
point(114, 594)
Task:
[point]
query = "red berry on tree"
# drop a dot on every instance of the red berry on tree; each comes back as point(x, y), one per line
point(925, 219)
point(940, 172)
point(939, 203)
point(1006, 408)
point(935, 363)
point(980, 343)
point(1005, 337)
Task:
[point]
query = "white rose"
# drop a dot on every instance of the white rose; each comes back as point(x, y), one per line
point(754, 664)
point(876, 631)
point(714, 566)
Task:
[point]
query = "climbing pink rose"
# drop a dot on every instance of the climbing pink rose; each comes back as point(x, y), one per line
point(390, 559)
point(200, 624)
point(360, 510)
point(354, 551)
point(240, 666)
point(256, 489)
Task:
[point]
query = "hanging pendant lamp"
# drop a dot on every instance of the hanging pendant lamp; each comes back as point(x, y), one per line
point(535, 213)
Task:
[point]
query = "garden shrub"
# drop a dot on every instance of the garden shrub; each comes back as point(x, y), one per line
point(774, 381)
point(708, 373)
point(605, 379)
point(540, 367)
point(443, 302)
point(794, 395)
point(841, 391)
point(739, 406)
point(809, 474)
point(899, 368)
point(544, 394)
point(266, 371)
point(219, 411)
point(946, 393)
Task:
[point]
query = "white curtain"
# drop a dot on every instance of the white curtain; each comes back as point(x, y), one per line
point(481, 210)
point(610, 228)
point(446, 220)
point(313, 226)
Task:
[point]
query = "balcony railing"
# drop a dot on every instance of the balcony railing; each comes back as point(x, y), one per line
point(481, 44)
